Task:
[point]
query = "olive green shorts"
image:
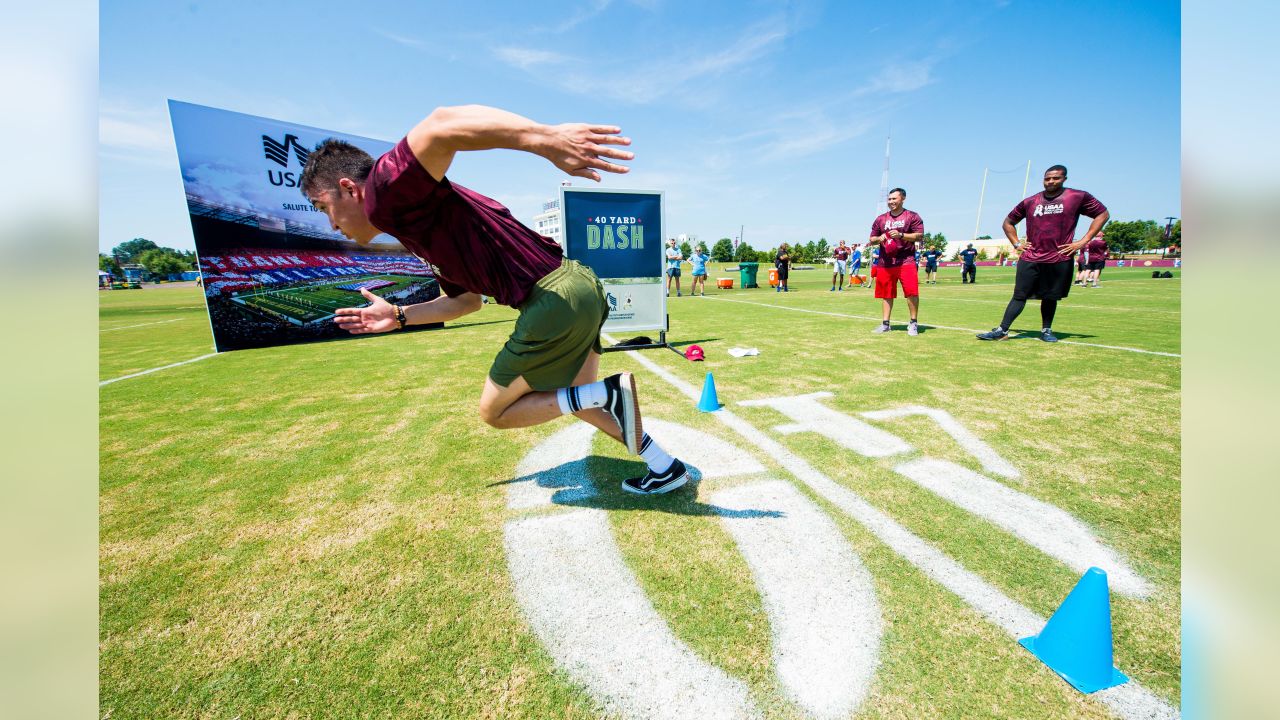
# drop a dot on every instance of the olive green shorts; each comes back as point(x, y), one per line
point(559, 325)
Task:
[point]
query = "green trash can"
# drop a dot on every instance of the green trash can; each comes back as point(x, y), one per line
point(748, 271)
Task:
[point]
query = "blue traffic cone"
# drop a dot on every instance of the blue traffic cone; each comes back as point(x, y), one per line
point(1076, 642)
point(709, 401)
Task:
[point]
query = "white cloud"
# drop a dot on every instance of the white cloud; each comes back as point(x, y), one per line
point(900, 78)
point(402, 40)
point(525, 58)
point(135, 129)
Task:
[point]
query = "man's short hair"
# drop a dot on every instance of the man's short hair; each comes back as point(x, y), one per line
point(1063, 168)
point(331, 161)
point(897, 190)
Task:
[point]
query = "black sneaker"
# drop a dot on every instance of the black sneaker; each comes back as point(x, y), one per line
point(625, 409)
point(1048, 336)
point(655, 484)
point(995, 334)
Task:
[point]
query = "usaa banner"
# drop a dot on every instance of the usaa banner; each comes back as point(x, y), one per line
point(273, 269)
point(618, 234)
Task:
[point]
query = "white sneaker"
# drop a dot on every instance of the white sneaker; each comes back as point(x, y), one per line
point(912, 329)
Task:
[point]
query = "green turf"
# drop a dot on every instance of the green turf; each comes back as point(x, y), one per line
point(319, 300)
point(316, 530)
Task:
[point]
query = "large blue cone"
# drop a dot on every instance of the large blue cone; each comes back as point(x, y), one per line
point(709, 401)
point(1076, 642)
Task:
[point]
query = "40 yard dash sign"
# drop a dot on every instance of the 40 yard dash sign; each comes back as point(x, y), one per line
point(619, 235)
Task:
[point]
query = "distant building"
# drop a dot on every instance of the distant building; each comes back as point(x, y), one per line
point(547, 222)
point(683, 238)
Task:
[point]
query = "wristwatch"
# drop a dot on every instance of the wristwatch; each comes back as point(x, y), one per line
point(400, 316)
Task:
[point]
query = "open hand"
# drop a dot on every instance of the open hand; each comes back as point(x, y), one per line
point(580, 149)
point(1072, 247)
point(379, 316)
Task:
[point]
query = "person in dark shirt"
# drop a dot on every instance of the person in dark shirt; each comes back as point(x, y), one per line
point(1044, 260)
point(782, 261)
point(1097, 249)
point(895, 234)
point(548, 367)
point(969, 270)
point(931, 265)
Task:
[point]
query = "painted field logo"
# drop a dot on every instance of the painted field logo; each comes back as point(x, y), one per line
point(590, 612)
point(278, 153)
point(615, 233)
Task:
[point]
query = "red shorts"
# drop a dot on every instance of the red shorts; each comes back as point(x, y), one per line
point(887, 280)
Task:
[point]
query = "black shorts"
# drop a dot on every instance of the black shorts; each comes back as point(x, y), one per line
point(783, 272)
point(673, 272)
point(1045, 281)
point(1096, 265)
point(930, 268)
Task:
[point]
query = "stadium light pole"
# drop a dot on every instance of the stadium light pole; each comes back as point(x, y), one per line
point(1168, 234)
point(978, 222)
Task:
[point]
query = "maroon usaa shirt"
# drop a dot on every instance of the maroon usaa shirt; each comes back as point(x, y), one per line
point(475, 244)
point(1052, 222)
point(894, 253)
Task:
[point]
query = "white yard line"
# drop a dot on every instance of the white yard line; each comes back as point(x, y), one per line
point(157, 369)
point(939, 327)
point(1069, 304)
point(820, 599)
point(126, 327)
point(1130, 701)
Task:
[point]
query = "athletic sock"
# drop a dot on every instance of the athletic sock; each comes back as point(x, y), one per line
point(655, 457)
point(573, 399)
point(884, 322)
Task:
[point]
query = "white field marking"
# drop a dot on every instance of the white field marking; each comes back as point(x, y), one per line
point(939, 327)
point(722, 459)
point(812, 416)
point(588, 610)
point(1130, 701)
point(820, 599)
point(972, 444)
point(1071, 305)
point(1053, 530)
point(555, 470)
point(126, 327)
point(157, 369)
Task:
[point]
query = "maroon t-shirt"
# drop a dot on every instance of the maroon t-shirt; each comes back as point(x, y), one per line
point(473, 241)
point(1097, 248)
point(1052, 222)
point(840, 253)
point(894, 253)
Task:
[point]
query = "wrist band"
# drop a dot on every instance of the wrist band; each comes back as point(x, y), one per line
point(400, 317)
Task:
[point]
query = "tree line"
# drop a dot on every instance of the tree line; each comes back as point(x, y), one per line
point(158, 261)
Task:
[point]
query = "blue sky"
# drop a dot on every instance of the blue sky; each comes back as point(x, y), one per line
point(768, 115)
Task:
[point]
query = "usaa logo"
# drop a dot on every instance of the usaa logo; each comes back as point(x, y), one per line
point(278, 153)
point(615, 233)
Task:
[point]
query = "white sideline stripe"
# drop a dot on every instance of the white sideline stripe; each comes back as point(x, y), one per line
point(126, 327)
point(1072, 305)
point(1051, 529)
point(157, 369)
point(812, 416)
point(820, 599)
point(940, 327)
point(972, 444)
point(590, 613)
point(550, 478)
point(1130, 701)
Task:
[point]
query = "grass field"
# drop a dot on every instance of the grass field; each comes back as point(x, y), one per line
point(316, 301)
point(317, 531)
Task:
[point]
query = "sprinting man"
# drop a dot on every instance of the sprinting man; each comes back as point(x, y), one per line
point(931, 265)
point(896, 233)
point(699, 272)
point(548, 367)
point(782, 262)
point(1097, 249)
point(673, 266)
point(1044, 261)
point(969, 268)
point(841, 256)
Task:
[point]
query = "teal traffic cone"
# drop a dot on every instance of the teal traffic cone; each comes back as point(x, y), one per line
point(709, 401)
point(1076, 642)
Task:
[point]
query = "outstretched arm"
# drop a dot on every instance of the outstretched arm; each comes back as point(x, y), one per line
point(380, 316)
point(579, 149)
